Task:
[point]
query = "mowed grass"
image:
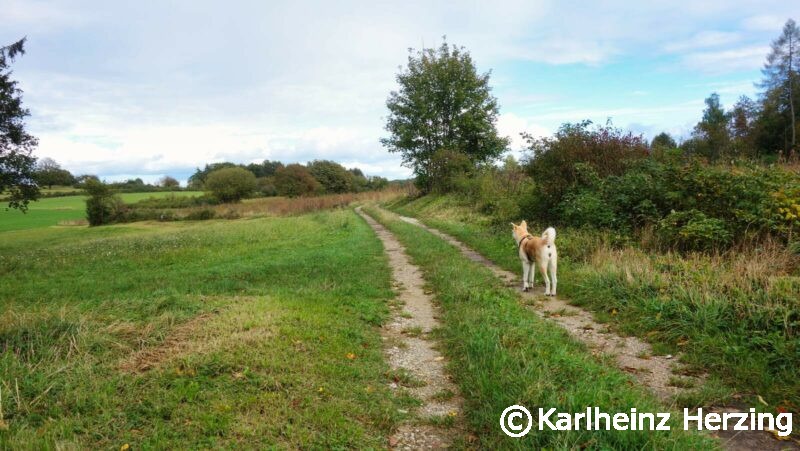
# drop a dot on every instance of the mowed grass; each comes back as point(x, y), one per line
point(501, 354)
point(250, 333)
point(734, 316)
point(50, 211)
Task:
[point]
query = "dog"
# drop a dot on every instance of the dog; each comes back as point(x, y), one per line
point(540, 251)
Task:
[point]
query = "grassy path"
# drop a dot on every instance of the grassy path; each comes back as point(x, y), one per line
point(501, 354)
point(413, 355)
point(662, 375)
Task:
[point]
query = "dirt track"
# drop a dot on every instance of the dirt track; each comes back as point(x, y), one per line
point(631, 354)
point(410, 350)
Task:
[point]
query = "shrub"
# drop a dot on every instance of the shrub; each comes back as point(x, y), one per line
point(230, 184)
point(266, 186)
point(102, 206)
point(446, 168)
point(201, 215)
point(693, 230)
point(333, 177)
point(295, 180)
point(606, 150)
point(587, 208)
point(498, 192)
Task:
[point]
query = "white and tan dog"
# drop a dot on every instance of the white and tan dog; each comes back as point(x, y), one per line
point(540, 251)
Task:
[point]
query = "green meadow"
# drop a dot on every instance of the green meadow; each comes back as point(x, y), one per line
point(215, 334)
point(51, 211)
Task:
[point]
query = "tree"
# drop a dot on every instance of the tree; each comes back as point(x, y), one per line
point(102, 205)
point(230, 184)
point(169, 182)
point(264, 169)
point(742, 125)
point(198, 179)
point(711, 132)
point(295, 180)
point(781, 76)
point(448, 168)
point(442, 103)
point(663, 141)
point(333, 177)
point(16, 145)
point(50, 173)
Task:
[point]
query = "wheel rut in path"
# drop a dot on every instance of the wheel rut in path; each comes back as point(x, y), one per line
point(632, 355)
point(411, 351)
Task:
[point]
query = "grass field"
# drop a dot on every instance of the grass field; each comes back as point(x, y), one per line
point(48, 212)
point(734, 316)
point(502, 354)
point(248, 333)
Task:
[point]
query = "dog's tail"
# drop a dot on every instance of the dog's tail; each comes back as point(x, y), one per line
point(549, 235)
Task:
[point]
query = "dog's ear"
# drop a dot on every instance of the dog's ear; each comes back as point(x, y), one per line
point(513, 225)
point(523, 224)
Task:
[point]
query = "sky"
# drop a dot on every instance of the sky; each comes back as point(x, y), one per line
point(152, 88)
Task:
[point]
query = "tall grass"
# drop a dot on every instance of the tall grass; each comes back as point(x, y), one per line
point(203, 208)
point(734, 315)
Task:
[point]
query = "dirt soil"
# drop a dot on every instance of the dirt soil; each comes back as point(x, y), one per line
point(410, 350)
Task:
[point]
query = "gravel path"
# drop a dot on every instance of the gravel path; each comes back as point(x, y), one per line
point(411, 351)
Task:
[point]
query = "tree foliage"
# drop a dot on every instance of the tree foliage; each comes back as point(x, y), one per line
point(102, 205)
point(266, 168)
point(711, 133)
point(575, 151)
point(169, 182)
point(17, 164)
point(333, 177)
point(295, 180)
point(198, 179)
point(230, 184)
point(781, 81)
point(663, 141)
point(49, 173)
point(442, 103)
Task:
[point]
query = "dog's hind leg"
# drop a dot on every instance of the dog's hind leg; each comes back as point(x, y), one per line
point(554, 275)
point(526, 270)
point(543, 268)
point(532, 276)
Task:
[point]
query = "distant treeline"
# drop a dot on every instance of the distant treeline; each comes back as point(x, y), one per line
point(317, 177)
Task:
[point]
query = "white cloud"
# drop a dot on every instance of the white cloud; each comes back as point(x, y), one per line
point(702, 40)
point(127, 88)
point(764, 22)
point(722, 61)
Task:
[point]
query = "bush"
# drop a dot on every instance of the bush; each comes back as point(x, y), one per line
point(587, 208)
point(693, 231)
point(295, 180)
point(552, 161)
point(333, 177)
point(447, 167)
point(173, 201)
point(102, 206)
point(230, 184)
point(201, 215)
point(266, 186)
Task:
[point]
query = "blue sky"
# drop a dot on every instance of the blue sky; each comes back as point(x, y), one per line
point(148, 88)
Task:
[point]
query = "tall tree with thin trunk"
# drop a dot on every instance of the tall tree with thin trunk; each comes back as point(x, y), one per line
point(17, 165)
point(781, 75)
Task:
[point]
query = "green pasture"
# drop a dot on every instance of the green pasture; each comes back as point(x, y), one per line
point(51, 211)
